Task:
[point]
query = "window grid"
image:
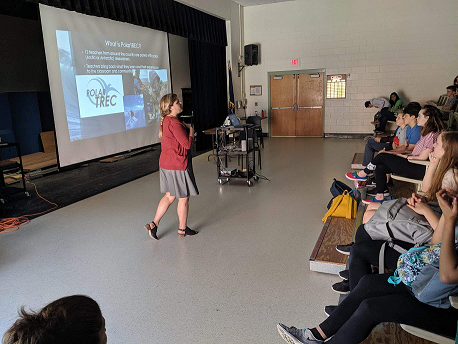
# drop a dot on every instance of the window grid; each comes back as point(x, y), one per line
point(336, 86)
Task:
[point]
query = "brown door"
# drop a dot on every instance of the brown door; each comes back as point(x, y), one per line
point(296, 102)
point(309, 116)
point(282, 103)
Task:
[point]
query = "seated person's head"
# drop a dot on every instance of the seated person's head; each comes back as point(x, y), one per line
point(451, 90)
point(455, 81)
point(400, 119)
point(393, 98)
point(445, 149)
point(411, 112)
point(70, 320)
point(368, 104)
point(430, 119)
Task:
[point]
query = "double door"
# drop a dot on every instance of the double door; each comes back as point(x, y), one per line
point(296, 105)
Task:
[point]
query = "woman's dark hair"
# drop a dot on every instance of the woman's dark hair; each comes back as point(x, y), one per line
point(72, 319)
point(412, 109)
point(434, 123)
point(455, 81)
point(393, 103)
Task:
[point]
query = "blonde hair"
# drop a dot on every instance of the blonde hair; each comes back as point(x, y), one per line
point(447, 162)
point(164, 106)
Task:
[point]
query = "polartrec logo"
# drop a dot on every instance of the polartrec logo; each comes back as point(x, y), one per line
point(99, 95)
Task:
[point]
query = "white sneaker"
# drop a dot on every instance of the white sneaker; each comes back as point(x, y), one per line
point(294, 335)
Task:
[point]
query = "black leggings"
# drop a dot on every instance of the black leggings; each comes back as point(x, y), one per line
point(389, 163)
point(374, 301)
point(365, 252)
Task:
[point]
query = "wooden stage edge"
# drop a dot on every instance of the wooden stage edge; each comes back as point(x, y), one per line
point(324, 257)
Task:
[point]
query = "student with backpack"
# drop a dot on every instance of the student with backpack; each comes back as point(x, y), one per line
point(442, 174)
point(384, 298)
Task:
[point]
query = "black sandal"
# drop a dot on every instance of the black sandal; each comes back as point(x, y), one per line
point(152, 231)
point(187, 231)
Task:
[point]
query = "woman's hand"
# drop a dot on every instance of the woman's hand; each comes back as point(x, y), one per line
point(447, 200)
point(416, 198)
point(433, 161)
point(420, 208)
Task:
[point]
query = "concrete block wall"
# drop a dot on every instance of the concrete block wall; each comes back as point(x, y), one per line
point(409, 47)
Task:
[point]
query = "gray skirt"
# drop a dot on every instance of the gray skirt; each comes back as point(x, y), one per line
point(179, 183)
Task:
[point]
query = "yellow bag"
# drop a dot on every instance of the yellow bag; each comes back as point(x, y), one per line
point(342, 206)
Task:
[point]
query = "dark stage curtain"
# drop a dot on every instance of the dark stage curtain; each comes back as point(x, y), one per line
point(207, 63)
point(165, 15)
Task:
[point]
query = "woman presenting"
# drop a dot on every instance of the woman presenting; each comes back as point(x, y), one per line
point(175, 166)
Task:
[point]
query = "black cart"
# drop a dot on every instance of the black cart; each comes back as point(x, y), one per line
point(235, 143)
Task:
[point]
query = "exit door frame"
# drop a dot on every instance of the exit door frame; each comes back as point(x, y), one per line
point(300, 71)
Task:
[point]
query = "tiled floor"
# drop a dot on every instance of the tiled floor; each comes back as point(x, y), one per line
point(245, 271)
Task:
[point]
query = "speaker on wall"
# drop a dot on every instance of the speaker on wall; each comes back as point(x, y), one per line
point(251, 55)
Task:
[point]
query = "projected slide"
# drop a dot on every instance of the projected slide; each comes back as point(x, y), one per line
point(106, 72)
point(106, 80)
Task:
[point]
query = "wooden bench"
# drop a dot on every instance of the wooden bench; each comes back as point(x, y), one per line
point(324, 257)
point(453, 121)
point(441, 101)
point(430, 335)
point(418, 182)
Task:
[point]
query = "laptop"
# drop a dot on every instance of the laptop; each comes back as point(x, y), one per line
point(235, 122)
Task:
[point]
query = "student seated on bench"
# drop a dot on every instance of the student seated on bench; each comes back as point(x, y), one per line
point(395, 103)
point(441, 174)
point(451, 103)
point(388, 142)
point(390, 115)
point(383, 106)
point(387, 163)
point(375, 300)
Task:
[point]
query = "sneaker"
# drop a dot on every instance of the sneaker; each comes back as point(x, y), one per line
point(375, 200)
point(370, 183)
point(344, 249)
point(341, 287)
point(354, 176)
point(344, 274)
point(329, 309)
point(294, 335)
point(373, 192)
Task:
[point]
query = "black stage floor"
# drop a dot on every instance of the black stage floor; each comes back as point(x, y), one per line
point(75, 184)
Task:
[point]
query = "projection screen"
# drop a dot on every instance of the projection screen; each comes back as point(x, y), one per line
point(106, 79)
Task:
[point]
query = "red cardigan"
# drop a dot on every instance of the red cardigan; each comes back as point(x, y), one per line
point(175, 143)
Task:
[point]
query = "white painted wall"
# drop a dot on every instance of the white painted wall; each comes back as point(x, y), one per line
point(179, 64)
point(408, 46)
point(236, 41)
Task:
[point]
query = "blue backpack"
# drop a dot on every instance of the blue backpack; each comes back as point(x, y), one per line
point(338, 188)
point(418, 269)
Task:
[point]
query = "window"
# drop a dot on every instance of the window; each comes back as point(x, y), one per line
point(336, 86)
